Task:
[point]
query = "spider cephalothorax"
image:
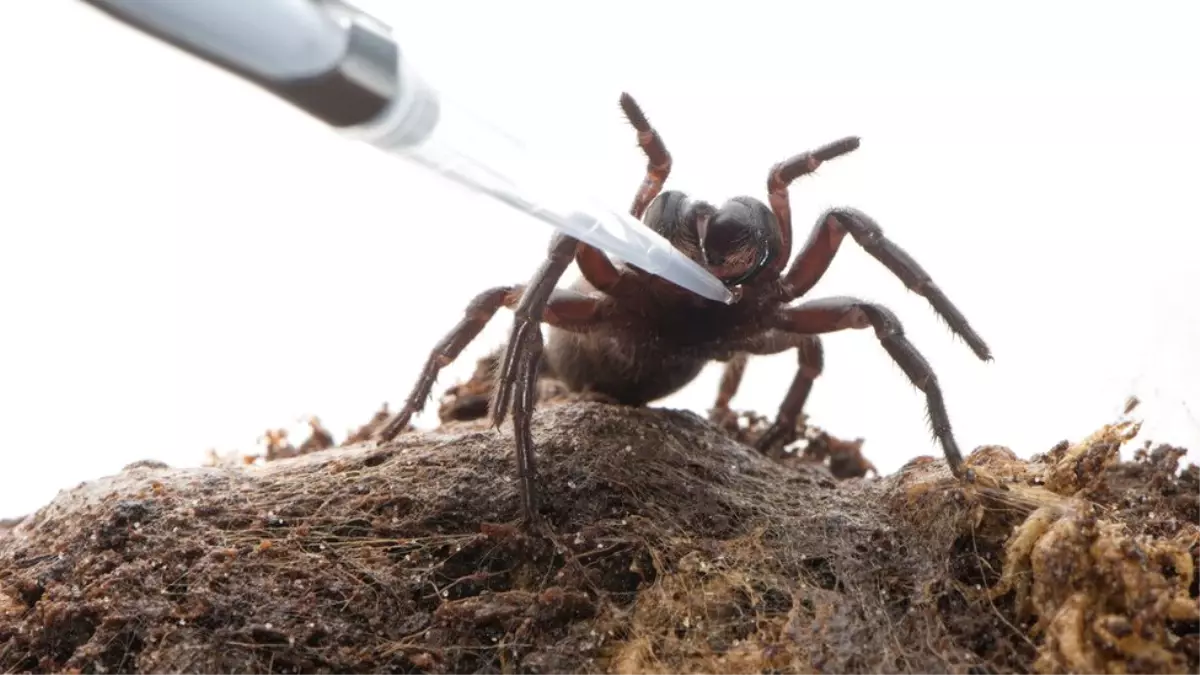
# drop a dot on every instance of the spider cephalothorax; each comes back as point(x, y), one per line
point(735, 242)
point(635, 337)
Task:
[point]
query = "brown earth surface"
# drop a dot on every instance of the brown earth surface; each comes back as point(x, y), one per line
point(670, 546)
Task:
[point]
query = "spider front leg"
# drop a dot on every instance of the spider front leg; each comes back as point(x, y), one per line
point(822, 245)
point(526, 320)
point(524, 387)
point(517, 375)
point(811, 357)
point(593, 263)
point(834, 314)
point(595, 266)
point(658, 159)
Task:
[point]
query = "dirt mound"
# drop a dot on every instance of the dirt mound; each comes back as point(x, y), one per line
point(674, 548)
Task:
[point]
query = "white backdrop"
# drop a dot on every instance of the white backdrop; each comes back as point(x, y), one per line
point(185, 261)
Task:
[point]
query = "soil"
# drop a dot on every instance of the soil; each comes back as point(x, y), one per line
point(668, 545)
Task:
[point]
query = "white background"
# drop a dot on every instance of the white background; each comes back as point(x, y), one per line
point(185, 261)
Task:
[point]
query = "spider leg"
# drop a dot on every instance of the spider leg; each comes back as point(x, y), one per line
point(593, 263)
point(818, 253)
point(731, 381)
point(829, 315)
point(782, 175)
point(783, 430)
point(811, 357)
point(517, 375)
point(532, 303)
point(565, 309)
point(523, 404)
point(658, 159)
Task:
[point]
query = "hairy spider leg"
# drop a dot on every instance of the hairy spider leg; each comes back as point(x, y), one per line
point(566, 309)
point(811, 357)
point(593, 263)
point(517, 375)
point(829, 315)
point(822, 245)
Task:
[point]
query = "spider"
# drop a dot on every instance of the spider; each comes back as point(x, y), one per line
point(633, 337)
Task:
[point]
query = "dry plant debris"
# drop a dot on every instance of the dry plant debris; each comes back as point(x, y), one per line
point(675, 548)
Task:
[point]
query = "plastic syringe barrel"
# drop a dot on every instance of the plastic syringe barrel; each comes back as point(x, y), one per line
point(323, 56)
point(342, 66)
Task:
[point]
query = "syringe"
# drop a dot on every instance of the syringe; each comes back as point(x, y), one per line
point(343, 66)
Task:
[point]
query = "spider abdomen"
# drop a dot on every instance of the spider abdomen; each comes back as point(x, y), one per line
point(633, 372)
